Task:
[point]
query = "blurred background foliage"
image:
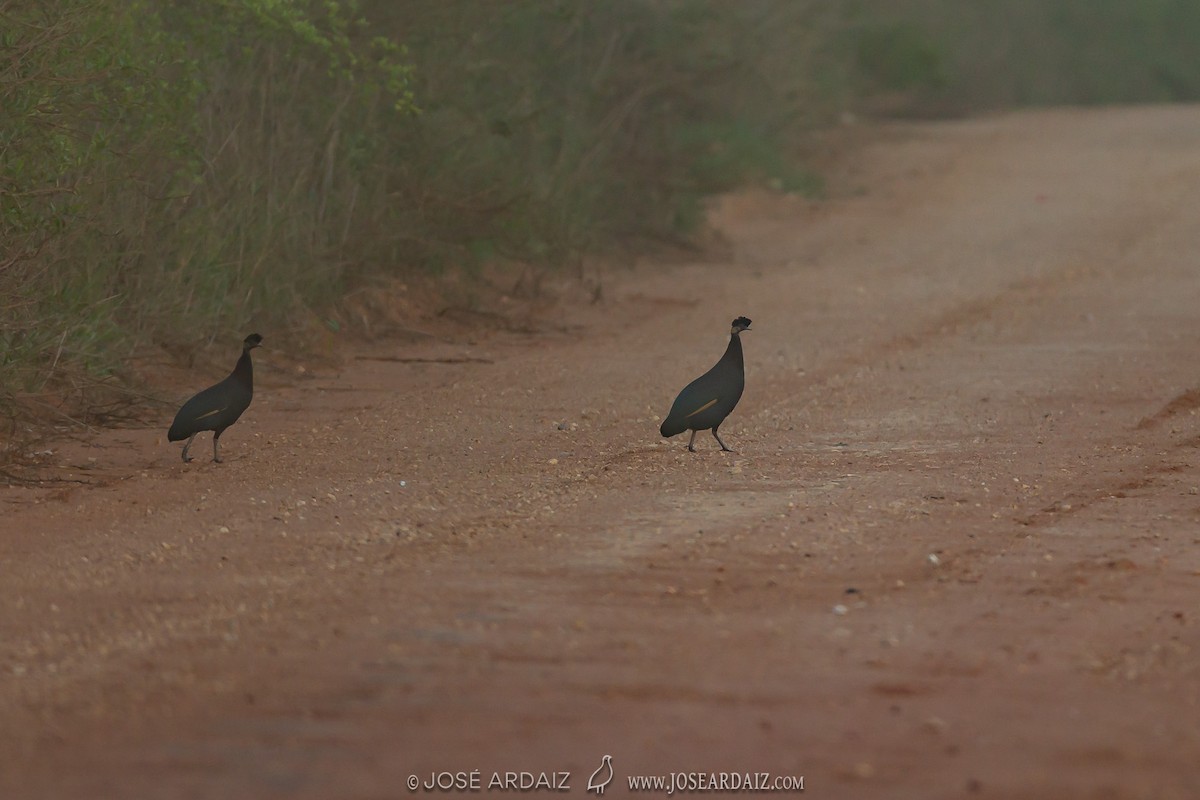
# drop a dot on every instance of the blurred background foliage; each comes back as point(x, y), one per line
point(172, 171)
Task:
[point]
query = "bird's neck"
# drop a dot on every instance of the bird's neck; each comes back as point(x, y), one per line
point(244, 371)
point(733, 352)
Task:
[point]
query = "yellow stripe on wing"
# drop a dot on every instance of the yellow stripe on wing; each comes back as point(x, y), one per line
point(219, 410)
point(709, 404)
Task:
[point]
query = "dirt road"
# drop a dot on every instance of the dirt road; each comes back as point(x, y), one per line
point(957, 552)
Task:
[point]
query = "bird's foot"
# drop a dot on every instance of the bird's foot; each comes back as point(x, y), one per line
point(218, 460)
point(691, 449)
point(188, 459)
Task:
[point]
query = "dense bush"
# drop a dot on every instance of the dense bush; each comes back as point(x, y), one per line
point(173, 170)
point(168, 170)
point(965, 56)
point(548, 127)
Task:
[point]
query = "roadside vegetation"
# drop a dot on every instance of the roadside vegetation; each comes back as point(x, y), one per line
point(172, 172)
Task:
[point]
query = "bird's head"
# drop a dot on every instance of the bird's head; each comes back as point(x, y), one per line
point(252, 341)
point(741, 324)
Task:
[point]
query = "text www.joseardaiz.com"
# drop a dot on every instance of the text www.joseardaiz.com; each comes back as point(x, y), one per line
point(695, 782)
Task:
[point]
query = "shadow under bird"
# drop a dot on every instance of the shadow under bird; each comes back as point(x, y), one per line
point(706, 402)
point(218, 406)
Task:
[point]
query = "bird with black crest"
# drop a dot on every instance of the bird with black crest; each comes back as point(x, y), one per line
point(218, 406)
point(706, 402)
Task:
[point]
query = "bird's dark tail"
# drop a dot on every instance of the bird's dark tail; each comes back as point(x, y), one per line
point(672, 427)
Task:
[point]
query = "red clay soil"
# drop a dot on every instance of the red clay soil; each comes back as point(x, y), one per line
point(957, 552)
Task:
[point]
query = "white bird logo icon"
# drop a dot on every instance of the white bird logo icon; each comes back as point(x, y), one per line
point(601, 777)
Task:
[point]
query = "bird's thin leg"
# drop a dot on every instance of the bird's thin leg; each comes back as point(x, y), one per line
point(718, 438)
point(216, 448)
point(186, 457)
point(692, 442)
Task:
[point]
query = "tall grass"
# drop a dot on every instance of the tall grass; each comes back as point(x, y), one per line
point(172, 172)
point(169, 171)
point(551, 127)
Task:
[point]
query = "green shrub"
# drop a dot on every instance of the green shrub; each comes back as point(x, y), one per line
point(899, 56)
point(167, 170)
point(997, 53)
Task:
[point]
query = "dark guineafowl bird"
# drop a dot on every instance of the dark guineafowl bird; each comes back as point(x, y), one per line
point(218, 406)
point(706, 402)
